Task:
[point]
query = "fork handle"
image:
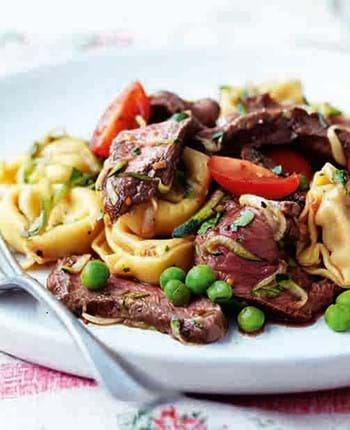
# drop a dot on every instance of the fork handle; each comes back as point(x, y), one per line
point(111, 371)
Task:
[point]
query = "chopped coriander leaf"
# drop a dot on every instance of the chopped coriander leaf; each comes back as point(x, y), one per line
point(244, 219)
point(241, 109)
point(303, 183)
point(278, 170)
point(178, 117)
point(340, 176)
point(207, 225)
point(137, 151)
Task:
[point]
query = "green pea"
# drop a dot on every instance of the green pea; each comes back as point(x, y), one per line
point(344, 298)
point(171, 273)
point(338, 317)
point(199, 279)
point(95, 275)
point(177, 292)
point(220, 292)
point(251, 319)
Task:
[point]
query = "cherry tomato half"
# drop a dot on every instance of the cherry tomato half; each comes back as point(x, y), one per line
point(243, 177)
point(120, 115)
point(291, 161)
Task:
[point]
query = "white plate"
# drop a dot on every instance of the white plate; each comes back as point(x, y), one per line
point(72, 96)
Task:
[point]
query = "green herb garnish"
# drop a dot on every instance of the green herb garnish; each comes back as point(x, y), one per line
point(278, 170)
point(340, 176)
point(207, 225)
point(76, 179)
point(178, 117)
point(136, 151)
point(244, 219)
point(303, 183)
point(241, 109)
point(205, 213)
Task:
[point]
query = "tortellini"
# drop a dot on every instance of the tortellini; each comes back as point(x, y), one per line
point(127, 254)
point(9, 171)
point(324, 245)
point(160, 216)
point(55, 157)
point(65, 228)
point(126, 246)
point(283, 92)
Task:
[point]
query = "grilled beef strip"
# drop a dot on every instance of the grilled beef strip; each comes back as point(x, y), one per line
point(150, 156)
point(258, 238)
point(268, 123)
point(138, 304)
point(165, 103)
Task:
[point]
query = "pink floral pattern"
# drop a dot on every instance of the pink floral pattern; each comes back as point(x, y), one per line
point(22, 379)
point(170, 419)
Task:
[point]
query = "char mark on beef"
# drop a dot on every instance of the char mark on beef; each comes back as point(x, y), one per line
point(246, 274)
point(165, 103)
point(139, 304)
point(142, 162)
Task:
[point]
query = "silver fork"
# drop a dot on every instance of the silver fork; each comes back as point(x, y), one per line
point(111, 371)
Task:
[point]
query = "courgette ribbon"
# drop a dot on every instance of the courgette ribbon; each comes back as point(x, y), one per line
point(207, 211)
point(234, 246)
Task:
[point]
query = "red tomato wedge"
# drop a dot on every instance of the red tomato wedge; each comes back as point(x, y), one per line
point(291, 161)
point(243, 177)
point(120, 115)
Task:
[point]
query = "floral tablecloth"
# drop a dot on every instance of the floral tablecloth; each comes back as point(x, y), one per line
point(35, 398)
